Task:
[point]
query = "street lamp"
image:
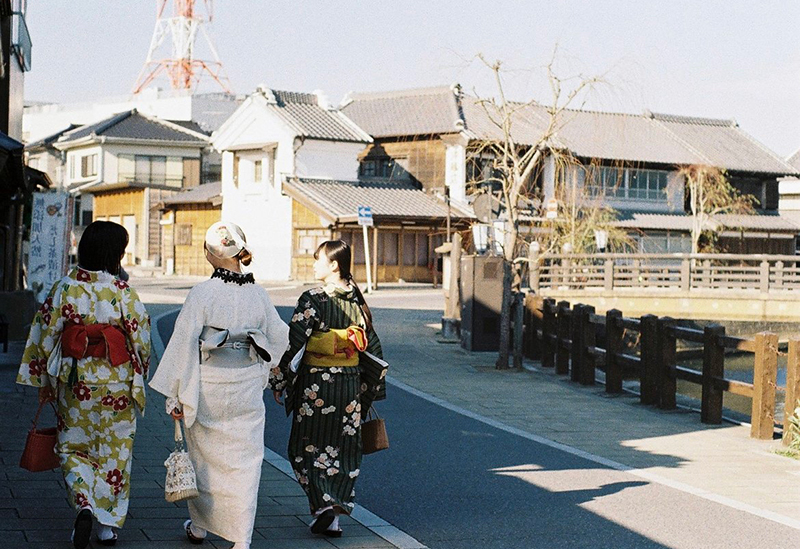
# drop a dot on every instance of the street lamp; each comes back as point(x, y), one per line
point(601, 239)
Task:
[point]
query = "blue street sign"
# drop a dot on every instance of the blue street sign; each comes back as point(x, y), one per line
point(365, 216)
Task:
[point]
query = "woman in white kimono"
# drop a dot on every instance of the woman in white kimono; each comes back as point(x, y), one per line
point(213, 373)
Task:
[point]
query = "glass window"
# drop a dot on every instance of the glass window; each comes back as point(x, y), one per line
point(89, 165)
point(409, 249)
point(258, 174)
point(422, 250)
point(390, 241)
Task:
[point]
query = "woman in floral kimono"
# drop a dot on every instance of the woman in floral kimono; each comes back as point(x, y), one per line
point(89, 349)
point(332, 372)
point(213, 373)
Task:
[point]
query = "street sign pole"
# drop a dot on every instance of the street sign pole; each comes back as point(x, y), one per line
point(365, 220)
point(366, 257)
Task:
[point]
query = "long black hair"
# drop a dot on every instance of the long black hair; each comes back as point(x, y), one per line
point(101, 247)
point(339, 251)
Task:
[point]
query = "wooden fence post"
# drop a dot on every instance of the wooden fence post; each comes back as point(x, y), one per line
point(763, 278)
point(779, 275)
point(519, 315)
point(614, 332)
point(533, 321)
point(686, 275)
point(587, 371)
point(792, 386)
point(549, 347)
point(667, 346)
point(564, 334)
point(577, 353)
point(765, 374)
point(713, 367)
point(608, 275)
point(648, 390)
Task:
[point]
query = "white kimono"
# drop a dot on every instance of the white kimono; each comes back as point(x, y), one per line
point(223, 404)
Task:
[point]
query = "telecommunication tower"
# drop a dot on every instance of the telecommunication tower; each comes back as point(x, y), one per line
point(181, 66)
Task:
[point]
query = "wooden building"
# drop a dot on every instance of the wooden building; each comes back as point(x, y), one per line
point(408, 225)
point(185, 217)
point(122, 167)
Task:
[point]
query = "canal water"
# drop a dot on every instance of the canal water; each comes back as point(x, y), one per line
point(738, 367)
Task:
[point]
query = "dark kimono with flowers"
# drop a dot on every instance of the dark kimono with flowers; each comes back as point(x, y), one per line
point(328, 402)
point(95, 400)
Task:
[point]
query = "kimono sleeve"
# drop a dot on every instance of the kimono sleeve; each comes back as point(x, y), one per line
point(373, 372)
point(274, 328)
point(304, 321)
point(46, 329)
point(178, 371)
point(137, 325)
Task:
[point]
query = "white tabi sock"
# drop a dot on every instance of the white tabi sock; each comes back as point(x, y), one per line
point(335, 524)
point(106, 532)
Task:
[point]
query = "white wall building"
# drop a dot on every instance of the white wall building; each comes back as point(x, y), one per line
point(271, 136)
point(209, 111)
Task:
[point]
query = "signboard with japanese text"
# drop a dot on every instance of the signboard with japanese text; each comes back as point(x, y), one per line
point(51, 220)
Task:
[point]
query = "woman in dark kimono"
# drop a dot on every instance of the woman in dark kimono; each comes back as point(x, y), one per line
point(332, 372)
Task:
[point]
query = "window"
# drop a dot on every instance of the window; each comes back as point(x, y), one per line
point(409, 249)
point(628, 183)
point(89, 165)
point(258, 174)
point(384, 168)
point(72, 167)
point(390, 241)
point(157, 170)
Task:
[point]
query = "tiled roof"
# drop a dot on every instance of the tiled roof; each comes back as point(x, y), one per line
point(309, 119)
point(680, 222)
point(794, 160)
point(133, 125)
point(722, 143)
point(210, 193)
point(649, 137)
point(340, 199)
point(409, 112)
point(43, 142)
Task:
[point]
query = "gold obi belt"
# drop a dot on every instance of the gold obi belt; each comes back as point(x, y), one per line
point(335, 348)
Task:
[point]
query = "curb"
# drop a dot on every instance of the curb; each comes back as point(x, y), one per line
point(366, 518)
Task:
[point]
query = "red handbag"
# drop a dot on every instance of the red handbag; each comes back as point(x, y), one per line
point(40, 447)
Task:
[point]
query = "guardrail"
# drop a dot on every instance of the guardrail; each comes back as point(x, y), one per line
point(575, 341)
point(676, 272)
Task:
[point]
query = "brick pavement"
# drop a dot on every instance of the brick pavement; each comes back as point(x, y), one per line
point(34, 509)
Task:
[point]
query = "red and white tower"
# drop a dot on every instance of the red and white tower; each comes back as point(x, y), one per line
point(180, 65)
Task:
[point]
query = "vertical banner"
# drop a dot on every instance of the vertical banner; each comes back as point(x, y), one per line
point(49, 243)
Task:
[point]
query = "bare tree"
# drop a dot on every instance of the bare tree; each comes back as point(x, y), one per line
point(710, 194)
point(517, 162)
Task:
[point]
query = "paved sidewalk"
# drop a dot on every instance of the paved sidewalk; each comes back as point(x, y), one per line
point(34, 510)
point(720, 463)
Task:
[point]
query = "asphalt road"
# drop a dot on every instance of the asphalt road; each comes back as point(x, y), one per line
point(453, 482)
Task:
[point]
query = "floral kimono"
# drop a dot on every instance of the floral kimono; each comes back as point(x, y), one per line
point(95, 399)
point(328, 401)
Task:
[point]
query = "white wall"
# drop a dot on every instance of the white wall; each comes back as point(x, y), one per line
point(327, 159)
point(265, 216)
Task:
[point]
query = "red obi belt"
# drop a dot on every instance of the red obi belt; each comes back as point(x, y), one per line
point(95, 340)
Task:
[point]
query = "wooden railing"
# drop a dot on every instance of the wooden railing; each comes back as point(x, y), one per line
point(575, 341)
point(676, 272)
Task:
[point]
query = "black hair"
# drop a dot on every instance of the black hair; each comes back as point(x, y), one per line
point(339, 251)
point(101, 247)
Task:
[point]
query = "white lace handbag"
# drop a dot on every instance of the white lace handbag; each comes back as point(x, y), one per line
point(181, 481)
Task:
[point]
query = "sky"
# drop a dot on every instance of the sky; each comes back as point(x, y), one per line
point(736, 59)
